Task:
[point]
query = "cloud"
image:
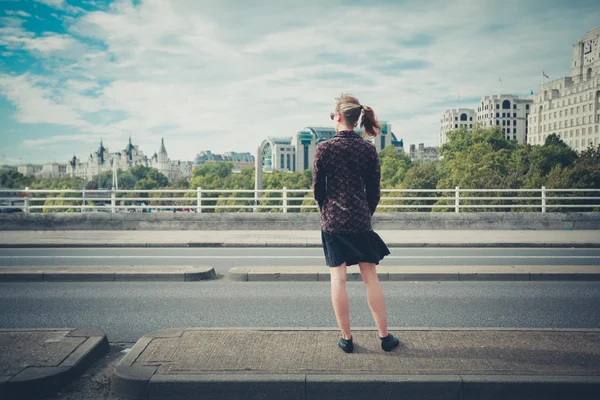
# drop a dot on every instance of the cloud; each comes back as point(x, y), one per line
point(17, 13)
point(59, 4)
point(207, 75)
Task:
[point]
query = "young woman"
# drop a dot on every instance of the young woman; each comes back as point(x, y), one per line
point(346, 175)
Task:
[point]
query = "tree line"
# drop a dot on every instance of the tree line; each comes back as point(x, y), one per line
point(482, 159)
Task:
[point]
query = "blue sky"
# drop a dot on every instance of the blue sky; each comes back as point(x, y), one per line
point(217, 75)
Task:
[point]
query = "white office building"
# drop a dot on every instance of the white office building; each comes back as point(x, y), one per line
point(507, 111)
point(455, 119)
point(570, 106)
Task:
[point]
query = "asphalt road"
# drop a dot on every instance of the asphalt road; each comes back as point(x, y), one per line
point(127, 311)
point(224, 258)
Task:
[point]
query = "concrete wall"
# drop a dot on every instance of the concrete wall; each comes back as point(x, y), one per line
point(294, 221)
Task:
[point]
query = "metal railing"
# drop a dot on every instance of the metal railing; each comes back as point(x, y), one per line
point(215, 200)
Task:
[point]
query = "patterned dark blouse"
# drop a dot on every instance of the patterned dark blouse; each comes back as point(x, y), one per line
point(346, 179)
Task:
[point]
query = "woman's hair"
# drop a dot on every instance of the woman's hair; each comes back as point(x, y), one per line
point(350, 108)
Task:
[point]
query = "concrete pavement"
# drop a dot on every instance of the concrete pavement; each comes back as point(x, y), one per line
point(307, 364)
point(37, 362)
point(297, 238)
point(105, 273)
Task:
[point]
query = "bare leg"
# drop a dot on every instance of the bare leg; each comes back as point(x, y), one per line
point(374, 296)
point(339, 299)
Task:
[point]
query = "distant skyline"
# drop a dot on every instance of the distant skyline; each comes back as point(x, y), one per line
point(214, 74)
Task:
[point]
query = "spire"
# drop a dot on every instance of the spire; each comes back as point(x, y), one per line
point(162, 145)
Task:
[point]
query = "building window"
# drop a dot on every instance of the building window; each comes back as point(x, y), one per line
point(527, 106)
point(470, 118)
point(471, 126)
point(456, 118)
point(503, 115)
point(503, 123)
point(294, 164)
point(463, 117)
point(497, 122)
point(515, 131)
point(497, 106)
point(289, 162)
point(514, 115)
point(497, 115)
point(455, 125)
point(282, 164)
point(506, 105)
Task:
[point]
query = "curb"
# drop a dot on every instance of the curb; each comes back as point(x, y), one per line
point(116, 274)
point(34, 382)
point(583, 245)
point(142, 382)
point(242, 274)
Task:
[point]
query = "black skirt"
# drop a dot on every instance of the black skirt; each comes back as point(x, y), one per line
point(353, 248)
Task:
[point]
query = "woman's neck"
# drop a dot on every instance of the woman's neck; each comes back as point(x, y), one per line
point(343, 127)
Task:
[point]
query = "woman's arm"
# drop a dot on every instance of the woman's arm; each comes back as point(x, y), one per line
point(373, 181)
point(319, 181)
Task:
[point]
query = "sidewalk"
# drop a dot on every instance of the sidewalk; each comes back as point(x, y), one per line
point(37, 362)
point(297, 238)
point(291, 364)
point(423, 273)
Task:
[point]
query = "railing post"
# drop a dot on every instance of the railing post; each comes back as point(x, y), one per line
point(113, 201)
point(83, 200)
point(543, 199)
point(199, 200)
point(456, 199)
point(285, 201)
point(26, 202)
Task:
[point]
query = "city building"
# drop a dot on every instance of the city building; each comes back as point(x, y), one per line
point(505, 110)
point(296, 154)
point(570, 106)
point(242, 160)
point(30, 169)
point(102, 160)
point(508, 111)
point(455, 119)
point(423, 154)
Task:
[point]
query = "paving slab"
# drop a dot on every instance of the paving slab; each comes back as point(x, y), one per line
point(106, 273)
point(422, 273)
point(296, 238)
point(38, 362)
point(305, 363)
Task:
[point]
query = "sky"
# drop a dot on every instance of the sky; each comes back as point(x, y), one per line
point(222, 75)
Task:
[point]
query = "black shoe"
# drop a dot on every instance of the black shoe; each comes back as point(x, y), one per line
point(346, 345)
point(389, 342)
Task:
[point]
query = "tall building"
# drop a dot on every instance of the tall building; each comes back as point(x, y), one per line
point(570, 106)
point(423, 154)
point(506, 111)
point(297, 153)
point(455, 119)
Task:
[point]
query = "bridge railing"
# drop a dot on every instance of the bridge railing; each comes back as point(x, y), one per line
point(218, 200)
